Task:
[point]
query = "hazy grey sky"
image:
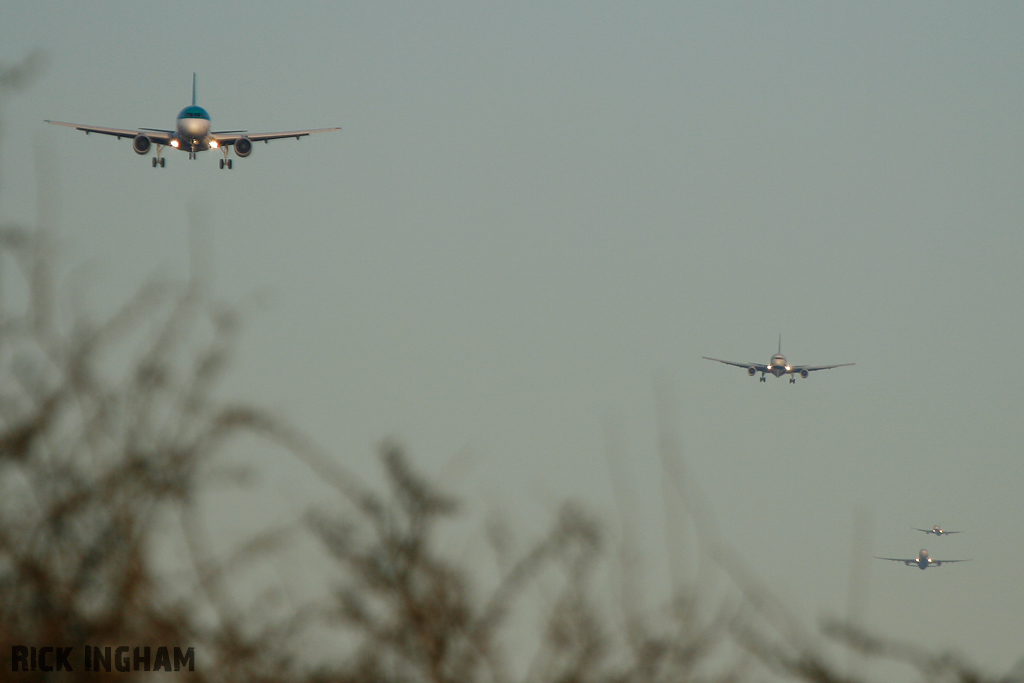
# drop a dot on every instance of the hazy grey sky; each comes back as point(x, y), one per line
point(537, 214)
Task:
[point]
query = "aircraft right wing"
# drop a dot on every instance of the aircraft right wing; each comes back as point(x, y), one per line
point(898, 559)
point(158, 136)
point(759, 367)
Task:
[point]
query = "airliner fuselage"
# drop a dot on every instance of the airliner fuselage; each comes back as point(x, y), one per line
point(778, 366)
point(193, 129)
point(922, 559)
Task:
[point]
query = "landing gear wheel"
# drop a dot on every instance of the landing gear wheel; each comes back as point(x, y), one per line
point(222, 163)
point(229, 164)
point(154, 162)
point(792, 380)
point(762, 379)
point(162, 162)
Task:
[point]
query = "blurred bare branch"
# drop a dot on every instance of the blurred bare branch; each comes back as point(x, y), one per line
point(18, 76)
point(104, 430)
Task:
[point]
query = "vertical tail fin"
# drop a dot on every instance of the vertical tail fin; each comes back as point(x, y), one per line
point(193, 88)
point(780, 336)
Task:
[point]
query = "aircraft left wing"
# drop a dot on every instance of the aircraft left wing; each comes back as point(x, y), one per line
point(156, 135)
point(235, 136)
point(812, 368)
point(759, 367)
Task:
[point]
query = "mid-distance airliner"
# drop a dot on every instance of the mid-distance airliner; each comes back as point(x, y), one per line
point(922, 560)
point(778, 366)
point(191, 134)
point(937, 530)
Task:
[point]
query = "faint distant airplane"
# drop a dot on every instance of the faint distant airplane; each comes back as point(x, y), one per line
point(191, 134)
point(938, 531)
point(922, 560)
point(778, 366)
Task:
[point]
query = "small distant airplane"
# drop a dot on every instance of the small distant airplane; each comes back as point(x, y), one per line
point(191, 134)
point(922, 560)
point(938, 531)
point(778, 366)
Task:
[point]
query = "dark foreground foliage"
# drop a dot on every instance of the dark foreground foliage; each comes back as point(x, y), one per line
point(111, 430)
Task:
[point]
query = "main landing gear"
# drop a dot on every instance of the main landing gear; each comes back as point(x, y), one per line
point(762, 378)
point(225, 163)
point(792, 380)
point(159, 161)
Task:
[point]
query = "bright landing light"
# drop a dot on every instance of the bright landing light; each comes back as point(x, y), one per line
point(213, 144)
point(174, 143)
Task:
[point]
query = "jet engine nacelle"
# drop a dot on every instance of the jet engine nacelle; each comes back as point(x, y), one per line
point(243, 147)
point(141, 144)
point(751, 371)
point(804, 373)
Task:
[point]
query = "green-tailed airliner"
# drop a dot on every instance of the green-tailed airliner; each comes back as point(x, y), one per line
point(191, 134)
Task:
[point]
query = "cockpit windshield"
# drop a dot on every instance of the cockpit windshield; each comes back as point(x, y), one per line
point(194, 112)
